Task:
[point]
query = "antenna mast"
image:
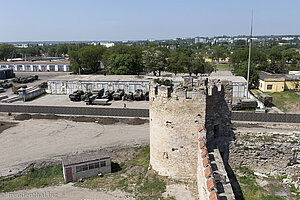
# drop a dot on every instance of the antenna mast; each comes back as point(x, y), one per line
point(249, 59)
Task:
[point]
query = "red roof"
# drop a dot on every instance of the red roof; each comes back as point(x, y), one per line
point(35, 63)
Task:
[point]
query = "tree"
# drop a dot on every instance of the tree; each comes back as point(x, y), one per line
point(123, 59)
point(176, 63)
point(242, 70)
point(275, 54)
point(290, 55)
point(220, 53)
point(87, 59)
point(200, 66)
point(52, 52)
point(6, 51)
point(155, 59)
point(257, 57)
point(62, 49)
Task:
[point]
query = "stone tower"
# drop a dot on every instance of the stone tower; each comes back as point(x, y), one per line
point(176, 113)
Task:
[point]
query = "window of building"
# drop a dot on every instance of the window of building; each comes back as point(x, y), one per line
point(85, 167)
point(97, 165)
point(103, 163)
point(78, 168)
point(81, 168)
point(269, 87)
point(156, 90)
point(92, 166)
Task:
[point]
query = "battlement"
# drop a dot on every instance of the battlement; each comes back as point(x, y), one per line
point(175, 112)
point(190, 88)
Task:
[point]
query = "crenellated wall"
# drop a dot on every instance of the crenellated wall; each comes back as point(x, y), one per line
point(175, 114)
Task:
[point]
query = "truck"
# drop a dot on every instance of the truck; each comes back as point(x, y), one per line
point(76, 96)
point(265, 99)
point(16, 87)
point(118, 94)
point(92, 101)
point(245, 104)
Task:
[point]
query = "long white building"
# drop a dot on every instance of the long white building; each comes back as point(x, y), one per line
point(36, 66)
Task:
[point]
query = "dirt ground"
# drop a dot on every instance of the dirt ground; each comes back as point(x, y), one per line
point(37, 140)
point(66, 192)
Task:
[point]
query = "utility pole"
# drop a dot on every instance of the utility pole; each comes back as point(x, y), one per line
point(249, 59)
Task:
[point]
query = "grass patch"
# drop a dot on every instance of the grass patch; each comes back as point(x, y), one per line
point(295, 191)
point(48, 176)
point(250, 189)
point(142, 184)
point(286, 101)
point(267, 138)
point(142, 157)
point(223, 67)
point(153, 186)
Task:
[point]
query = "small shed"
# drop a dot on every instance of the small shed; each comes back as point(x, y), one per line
point(6, 73)
point(85, 165)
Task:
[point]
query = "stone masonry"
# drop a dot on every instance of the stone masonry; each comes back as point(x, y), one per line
point(175, 115)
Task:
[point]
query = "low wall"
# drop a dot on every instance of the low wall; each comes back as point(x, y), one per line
point(117, 112)
point(33, 94)
point(129, 112)
point(265, 117)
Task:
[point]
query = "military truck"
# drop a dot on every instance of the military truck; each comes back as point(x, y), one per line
point(108, 95)
point(43, 85)
point(129, 96)
point(35, 77)
point(5, 84)
point(85, 96)
point(98, 93)
point(118, 94)
point(245, 104)
point(138, 95)
point(265, 99)
point(92, 101)
point(76, 96)
point(16, 87)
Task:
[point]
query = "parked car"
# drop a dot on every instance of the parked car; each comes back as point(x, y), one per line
point(245, 104)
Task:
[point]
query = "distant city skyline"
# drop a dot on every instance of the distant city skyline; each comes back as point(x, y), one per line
point(99, 20)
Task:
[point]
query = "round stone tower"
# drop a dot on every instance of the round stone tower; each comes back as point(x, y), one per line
point(176, 113)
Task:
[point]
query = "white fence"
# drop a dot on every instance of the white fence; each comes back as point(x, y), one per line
point(68, 87)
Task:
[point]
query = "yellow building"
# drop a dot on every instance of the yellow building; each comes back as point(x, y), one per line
point(210, 60)
point(278, 82)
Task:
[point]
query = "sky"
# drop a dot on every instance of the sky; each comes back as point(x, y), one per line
point(119, 20)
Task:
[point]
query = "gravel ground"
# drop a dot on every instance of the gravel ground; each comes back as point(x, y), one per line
point(36, 140)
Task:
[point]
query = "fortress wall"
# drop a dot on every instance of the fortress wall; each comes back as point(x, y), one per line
point(218, 110)
point(174, 117)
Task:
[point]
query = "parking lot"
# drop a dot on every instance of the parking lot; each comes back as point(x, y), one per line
point(43, 77)
point(63, 100)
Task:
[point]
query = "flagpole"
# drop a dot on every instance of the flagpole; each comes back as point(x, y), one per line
point(249, 58)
